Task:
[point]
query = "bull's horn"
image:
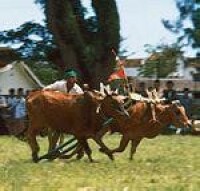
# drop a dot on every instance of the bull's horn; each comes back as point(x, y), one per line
point(102, 87)
point(107, 90)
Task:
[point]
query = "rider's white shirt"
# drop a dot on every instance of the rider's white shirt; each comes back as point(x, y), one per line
point(61, 86)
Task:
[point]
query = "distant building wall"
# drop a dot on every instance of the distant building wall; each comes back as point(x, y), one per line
point(179, 84)
point(16, 77)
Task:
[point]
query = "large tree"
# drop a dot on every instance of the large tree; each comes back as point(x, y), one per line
point(72, 38)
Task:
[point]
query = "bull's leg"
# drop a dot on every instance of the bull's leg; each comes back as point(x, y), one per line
point(87, 149)
point(32, 141)
point(80, 153)
point(134, 144)
point(98, 139)
point(103, 148)
point(123, 144)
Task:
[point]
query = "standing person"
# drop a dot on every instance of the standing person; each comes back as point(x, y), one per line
point(186, 101)
point(142, 90)
point(169, 93)
point(11, 101)
point(19, 111)
point(68, 85)
point(157, 86)
point(3, 103)
point(3, 127)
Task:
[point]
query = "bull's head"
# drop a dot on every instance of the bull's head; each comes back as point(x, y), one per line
point(113, 105)
point(178, 115)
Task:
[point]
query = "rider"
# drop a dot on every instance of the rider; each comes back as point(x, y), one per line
point(68, 85)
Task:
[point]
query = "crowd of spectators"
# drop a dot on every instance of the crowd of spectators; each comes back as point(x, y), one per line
point(12, 111)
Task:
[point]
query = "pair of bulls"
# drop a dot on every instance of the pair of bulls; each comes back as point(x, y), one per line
point(84, 115)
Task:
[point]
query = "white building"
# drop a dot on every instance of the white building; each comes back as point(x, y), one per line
point(186, 67)
point(183, 76)
point(17, 75)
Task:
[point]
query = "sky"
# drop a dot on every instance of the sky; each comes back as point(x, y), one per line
point(140, 21)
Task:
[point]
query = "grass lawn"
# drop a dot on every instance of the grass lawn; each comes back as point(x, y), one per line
point(166, 163)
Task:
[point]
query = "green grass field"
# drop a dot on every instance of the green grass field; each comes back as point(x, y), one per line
point(166, 163)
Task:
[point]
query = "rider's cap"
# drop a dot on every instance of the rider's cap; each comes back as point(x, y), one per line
point(70, 73)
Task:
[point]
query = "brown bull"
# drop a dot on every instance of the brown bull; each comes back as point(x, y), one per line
point(140, 124)
point(71, 114)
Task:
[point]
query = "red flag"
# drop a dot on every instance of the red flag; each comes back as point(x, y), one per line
point(119, 74)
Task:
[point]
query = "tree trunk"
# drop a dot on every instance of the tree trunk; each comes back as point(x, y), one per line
point(90, 52)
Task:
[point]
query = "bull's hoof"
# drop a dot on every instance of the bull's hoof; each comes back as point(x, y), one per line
point(107, 152)
point(111, 157)
point(91, 160)
point(80, 156)
point(102, 150)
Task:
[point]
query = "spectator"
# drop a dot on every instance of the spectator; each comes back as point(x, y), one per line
point(123, 89)
point(169, 93)
point(186, 101)
point(11, 101)
point(156, 85)
point(2, 101)
point(3, 128)
point(131, 88)
point(20, 109)
point(142, 90)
